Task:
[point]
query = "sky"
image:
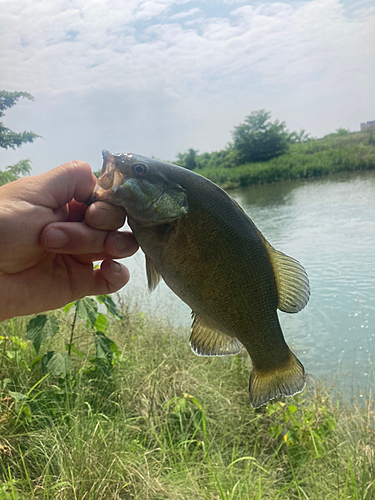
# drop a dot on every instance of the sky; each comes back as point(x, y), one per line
point(158, 77)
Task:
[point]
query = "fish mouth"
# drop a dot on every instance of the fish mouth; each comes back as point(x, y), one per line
point(110, 176)
point(107, 158)
point(109, 181)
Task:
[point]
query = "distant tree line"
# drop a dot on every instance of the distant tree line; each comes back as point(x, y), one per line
point(256, 140)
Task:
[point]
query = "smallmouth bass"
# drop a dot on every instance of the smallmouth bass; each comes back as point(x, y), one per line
point(210, 253)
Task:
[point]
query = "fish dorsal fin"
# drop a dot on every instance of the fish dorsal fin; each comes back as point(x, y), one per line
point(291, 279)
point(153, 277)
point(206, 341)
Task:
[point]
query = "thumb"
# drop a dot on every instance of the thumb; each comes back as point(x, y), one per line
point(59, 186)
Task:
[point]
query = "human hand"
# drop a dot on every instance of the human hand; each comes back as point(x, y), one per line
point(49, 240)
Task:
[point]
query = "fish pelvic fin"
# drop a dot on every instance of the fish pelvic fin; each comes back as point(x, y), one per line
point(207, 341)
point(286, 380)
point(153, 277)
point(291, 280)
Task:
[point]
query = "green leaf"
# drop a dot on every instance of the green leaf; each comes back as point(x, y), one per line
point(110, 305)
point(292, 408)
point(18, 342)
point(103, 366)
point(102, 322)
point(87, 309)
point(74, 350)
point(35, 361)
point(57, 363)
point(105, 347)
point(68, 307)
point(18, 396)
point(5, 382)
point(40, 329)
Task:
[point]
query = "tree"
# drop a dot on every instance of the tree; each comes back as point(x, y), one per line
point(10, 139)
point(342, 131)
point(258, 139)
point(188, 160)
point(301, 136)
point(13, 172)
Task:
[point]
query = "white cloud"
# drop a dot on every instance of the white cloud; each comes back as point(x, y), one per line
point(54, 45)
point(186, 13)
point(307, 62)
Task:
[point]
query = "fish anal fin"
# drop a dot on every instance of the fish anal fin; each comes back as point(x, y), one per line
point(208, 341)
point(291, 280)
point(286, 380)
point(153, 277)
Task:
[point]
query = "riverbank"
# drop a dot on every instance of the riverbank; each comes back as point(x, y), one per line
point(329, 155)
point(169, 425)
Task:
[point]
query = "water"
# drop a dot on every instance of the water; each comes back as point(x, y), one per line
point(329, 226)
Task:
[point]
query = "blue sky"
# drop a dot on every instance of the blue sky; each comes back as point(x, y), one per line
point(160, 76)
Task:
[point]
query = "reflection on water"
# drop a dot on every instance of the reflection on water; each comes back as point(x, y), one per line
point(329, 226)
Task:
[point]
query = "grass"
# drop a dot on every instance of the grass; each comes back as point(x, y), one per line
point(169, 425)
point(329, 155)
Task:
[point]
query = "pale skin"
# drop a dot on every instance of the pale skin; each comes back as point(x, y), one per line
point(50, 240)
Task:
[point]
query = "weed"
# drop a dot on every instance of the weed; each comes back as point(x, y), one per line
point(166, 424)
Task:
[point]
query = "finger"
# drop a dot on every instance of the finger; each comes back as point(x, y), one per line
point(117, 245)
point(102, 215)
point(76, 211)
point(110, 277)
point(120, 244)
point(72, 238)
point(33, 291)
point(60, 185)
point(91, 244)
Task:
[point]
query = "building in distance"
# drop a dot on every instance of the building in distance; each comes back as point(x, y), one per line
point(368, 125)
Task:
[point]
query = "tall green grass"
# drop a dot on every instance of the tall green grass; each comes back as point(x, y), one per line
point(320, 157)
point(169, 425)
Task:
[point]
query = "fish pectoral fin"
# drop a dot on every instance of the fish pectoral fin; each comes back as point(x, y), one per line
point(291, 280)
point(206, 341)
point(286, 380)
point(153, 277)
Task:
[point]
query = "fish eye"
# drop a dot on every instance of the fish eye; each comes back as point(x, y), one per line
point(140, 169)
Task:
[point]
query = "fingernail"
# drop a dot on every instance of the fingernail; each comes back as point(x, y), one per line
point(56, 238)
point(115, 267)
point(120, 242)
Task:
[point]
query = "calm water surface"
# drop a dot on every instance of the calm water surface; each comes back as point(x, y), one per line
point(329, 226)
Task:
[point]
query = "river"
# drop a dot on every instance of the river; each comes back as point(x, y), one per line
point(328, 225)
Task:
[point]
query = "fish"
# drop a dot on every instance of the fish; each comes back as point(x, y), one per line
point(210, 254)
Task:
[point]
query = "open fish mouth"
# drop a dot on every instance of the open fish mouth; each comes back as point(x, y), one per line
point(108, 161)
point(109, 181)
point(110, 176)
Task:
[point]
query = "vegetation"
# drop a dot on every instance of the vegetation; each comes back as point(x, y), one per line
point(264, 152)
point(258, 139)
point(10, 139)
point(141, 417)
point(332, 154)
point(188, 159)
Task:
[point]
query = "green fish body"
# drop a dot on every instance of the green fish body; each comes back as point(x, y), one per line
point(210, 253)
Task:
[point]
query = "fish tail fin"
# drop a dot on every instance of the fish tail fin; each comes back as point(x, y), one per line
point(286, 380)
